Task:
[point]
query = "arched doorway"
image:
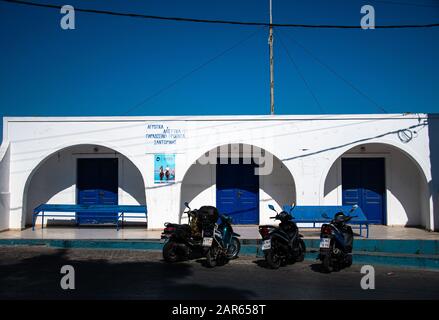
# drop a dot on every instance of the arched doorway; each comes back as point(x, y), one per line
point(384, 180)
point(225, 177)
point(72, 174)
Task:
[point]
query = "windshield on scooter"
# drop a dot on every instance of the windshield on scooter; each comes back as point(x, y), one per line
point(225, 219)
point(340, 217)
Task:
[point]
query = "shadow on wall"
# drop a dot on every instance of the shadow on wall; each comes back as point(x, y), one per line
point(55, 179)
point(278, 186)
point(198, 179)
point(332, 182)
point(409, 186)
point(433, 133)
point(132, 182)
point(54, 176)
point(406, 187)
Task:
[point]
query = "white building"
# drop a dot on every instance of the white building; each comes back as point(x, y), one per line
point(387, 163)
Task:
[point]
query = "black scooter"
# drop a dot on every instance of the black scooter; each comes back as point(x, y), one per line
point(180, 240)
point(336, 242)
point(282, 244)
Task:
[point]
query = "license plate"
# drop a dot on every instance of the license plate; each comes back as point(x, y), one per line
point(266, 245)
point(325, 242)
point(207, 242)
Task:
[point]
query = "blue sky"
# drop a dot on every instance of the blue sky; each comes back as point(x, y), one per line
point(108, 65)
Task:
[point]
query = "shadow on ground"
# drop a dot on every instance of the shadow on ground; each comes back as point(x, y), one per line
point(38, 277)
point(316, 267)
point(262, 263)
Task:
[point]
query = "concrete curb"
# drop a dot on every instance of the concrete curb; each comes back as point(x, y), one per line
point(368, 251)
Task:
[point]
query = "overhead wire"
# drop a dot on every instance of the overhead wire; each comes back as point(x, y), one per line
point(400, 3)
point(212, 21)
point(244, 23)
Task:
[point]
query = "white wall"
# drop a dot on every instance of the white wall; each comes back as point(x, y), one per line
point(4, 186)
point(306, 145)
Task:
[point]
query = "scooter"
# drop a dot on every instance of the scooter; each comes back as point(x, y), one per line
point(182, 241)
point(221, 241)
point(336, 242)
point(284, 243)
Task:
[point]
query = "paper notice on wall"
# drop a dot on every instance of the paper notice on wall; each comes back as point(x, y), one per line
point(164, 134)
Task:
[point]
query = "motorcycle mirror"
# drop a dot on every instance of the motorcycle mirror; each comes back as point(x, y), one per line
point(271, 207)
point(354, 207)
point(186, 204)
point(293, 205)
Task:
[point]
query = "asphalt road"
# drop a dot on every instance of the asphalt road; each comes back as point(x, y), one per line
point(34, 272)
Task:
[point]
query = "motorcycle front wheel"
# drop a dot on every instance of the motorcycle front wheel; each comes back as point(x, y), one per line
point(348, 260)
point(234, 248)
point(170, 253)
point(301, 251)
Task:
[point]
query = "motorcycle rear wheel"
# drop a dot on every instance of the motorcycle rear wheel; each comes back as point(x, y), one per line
point(274, 261)
point(327, 266)
point(211, 257)
point(170, 252)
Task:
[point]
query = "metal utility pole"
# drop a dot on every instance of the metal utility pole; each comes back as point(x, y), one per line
point(270, 44)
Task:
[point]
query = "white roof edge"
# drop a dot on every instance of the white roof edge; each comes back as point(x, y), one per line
point(207, 118)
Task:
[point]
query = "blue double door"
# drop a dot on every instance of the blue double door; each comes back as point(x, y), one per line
point(363, 183)
point(237, 192)
point(97, 184)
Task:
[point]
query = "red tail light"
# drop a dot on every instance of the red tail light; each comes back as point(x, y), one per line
point(169, 229)
point(326, 229)
point(264, 231)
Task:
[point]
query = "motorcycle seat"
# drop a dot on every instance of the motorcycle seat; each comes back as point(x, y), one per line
point(176, 225)
point(267, 226)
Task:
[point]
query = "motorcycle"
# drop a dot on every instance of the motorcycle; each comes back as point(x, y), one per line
point(336, 242)
point(182, 241)
point(284, 243)
point(222, 243)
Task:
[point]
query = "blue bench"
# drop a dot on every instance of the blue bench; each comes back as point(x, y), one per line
point(313, 214)
point(107, 213)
